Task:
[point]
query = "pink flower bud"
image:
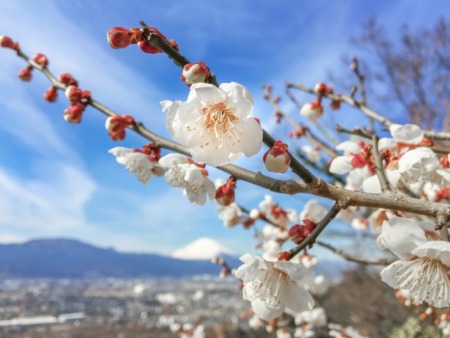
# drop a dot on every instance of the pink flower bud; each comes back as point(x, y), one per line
point(74, 113)
point(26, 74)
point(225, 193)
point(335, 104)
point(312, 110)
point(74, 94)
point(118, 135)
point(7, 42)
point(116, 126)
point(68, 79)
point(148, 48)
point(297, 233)
point(41, 60)
point(277, 158)
point(194, 73)
point(119, 37)
point(51, 95)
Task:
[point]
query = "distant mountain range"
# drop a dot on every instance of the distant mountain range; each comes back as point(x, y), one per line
point(68, 258)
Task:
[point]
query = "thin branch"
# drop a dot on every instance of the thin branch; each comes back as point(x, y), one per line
point(379, 168)
point(309, 136)
point(367, 111)
point(314, 186)
point(352, 258)
point(320, 226)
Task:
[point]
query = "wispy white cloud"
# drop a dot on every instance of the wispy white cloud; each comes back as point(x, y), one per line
point(50, 202)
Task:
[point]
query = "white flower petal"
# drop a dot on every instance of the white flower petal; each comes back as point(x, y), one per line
point(401, 236)
point(341, 165)
point(296, 298)
point(408, 133)
point(265, 312)
point(439, 250)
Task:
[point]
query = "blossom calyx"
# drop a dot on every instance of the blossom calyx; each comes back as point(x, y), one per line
point(7, 42)
point(194, 73)
point(225, 193)
point(277, 158)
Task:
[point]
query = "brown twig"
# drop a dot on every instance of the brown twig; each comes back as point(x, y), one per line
point(367, 111)
point(352, 258)
point(378, 162)
point(314, 186)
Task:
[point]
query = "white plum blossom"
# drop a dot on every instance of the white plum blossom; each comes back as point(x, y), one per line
point(313, 210)
point(215, 123)
point(270, 241)
point(275, 214)
point(423, 266)
point(273, 287)
point(314, 318)
point(312, 154)
point(182, 172)
point(137, 163)
point(231, 215)
point(283, 333)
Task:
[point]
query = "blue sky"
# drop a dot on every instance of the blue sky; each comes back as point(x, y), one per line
point(58, 180)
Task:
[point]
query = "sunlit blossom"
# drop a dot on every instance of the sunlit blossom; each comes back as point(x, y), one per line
point(215, 123)
point(182, 172)
point(137, 163)
point(423, 266)
point(273, 287)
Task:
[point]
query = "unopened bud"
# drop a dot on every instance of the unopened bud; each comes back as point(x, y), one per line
point(312, 111)
point(119, 37)
point(277, 158)
point(74, 113)
point(41, 60)
point(225, 193)
point(116, 126)
point(195, 73)
point(74, 94)
point(148, 48)
point(68, 79)
point(335, 104)
point(284, 256)
point(7, 42)
point(51, 94)
point(297, 233)
point(26, 74)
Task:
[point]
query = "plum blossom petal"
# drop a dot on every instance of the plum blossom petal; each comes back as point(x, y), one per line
point(408, 133)
point(341, 165)
point(418, 161)
point(401, 235)
point(349, 147)
point(215, 123)
point(137, 163)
